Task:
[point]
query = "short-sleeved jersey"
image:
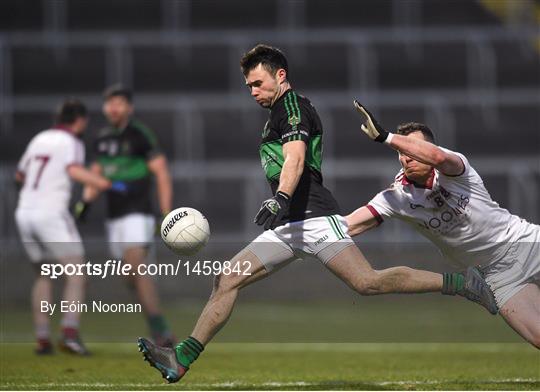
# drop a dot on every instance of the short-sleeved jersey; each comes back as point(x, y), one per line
point(47, 185)
point(456, 213)
point(123, 156)
point(293, 117)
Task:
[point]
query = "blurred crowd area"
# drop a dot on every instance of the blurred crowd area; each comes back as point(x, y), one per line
point(469, 69)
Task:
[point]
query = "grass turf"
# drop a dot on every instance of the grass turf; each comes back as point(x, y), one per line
point(441, 344)
point(307, 366)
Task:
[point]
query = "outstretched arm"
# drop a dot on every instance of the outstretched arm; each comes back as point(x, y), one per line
point(428, 153)
point(360, 221)
point(420, 150)
point(81, 174)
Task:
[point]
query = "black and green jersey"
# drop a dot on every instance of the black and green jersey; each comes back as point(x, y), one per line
point(293, 117)
point(123, 155)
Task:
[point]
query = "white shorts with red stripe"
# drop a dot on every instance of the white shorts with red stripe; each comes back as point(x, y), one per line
point(48, 235)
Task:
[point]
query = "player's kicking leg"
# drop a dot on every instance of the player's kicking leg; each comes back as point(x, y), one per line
point(351, 266)
point(522, 313)
point(174, 363)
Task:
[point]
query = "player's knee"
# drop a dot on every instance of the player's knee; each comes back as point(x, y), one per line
point(226, 284)
point(367, 284)
point(535, 338)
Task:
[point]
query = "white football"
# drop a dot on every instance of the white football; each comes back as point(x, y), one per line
point(185, 231)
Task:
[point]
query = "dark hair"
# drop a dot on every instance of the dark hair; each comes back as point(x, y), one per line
point(117, 90)
point(407, 128)
point(272, 59)
point(70, 111)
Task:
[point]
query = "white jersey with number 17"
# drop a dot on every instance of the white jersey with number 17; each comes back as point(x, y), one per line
point(47, 185)
point(455, 212)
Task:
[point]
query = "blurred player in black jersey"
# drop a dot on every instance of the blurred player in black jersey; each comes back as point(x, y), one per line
point(301, 219)
point(127, 150)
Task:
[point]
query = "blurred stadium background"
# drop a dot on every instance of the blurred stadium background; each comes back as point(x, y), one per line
point(469, 69)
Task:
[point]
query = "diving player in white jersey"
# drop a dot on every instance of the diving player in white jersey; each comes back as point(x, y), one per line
point(439, 194)
point(52, 159)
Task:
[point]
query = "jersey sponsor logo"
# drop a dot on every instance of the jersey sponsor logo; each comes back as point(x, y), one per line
point(108, 147)
point(172, 222)
point(294, 133)
point(446, 220)
point(439, 196)
point(415, 206)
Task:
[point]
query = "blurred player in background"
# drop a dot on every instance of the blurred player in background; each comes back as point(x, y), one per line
point(52, 159)
point(439, 194)
point(127, 150)
point(301, 219)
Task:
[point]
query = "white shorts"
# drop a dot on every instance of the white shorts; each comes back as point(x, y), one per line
point(520, 265)
point(322, 237)
point(128, 231)
point(48, 235)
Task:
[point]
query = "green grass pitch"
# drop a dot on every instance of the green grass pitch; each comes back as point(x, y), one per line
point(308, 366)
point(451, 350)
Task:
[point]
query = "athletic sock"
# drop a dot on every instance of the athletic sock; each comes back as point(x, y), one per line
point(158, 325)
point(70, 333)
point(43, 332)
point(453, 283)
point(188, 351)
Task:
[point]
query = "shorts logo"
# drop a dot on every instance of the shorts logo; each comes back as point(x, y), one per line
point(173, 220)
point(321, 240)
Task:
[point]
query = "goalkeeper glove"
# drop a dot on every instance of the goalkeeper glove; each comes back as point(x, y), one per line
point(272, 210)
point(371, 127)
point(80, 210)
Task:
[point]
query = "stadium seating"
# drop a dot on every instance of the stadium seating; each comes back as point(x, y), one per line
point(409, 61)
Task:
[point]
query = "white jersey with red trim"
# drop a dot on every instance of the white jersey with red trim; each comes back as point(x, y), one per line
point(47, 185)
point(455, 212)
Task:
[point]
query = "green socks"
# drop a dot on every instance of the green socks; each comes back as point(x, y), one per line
point(158, 325)
point(188, 351)
point(453, 283)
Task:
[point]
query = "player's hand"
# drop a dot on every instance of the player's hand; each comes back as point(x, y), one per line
point(272, 210)
point(80, 210)
point(371, 127)
point(119, 186)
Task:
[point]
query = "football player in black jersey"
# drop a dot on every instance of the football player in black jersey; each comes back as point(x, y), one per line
point(302, 218)
point(126, 150)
